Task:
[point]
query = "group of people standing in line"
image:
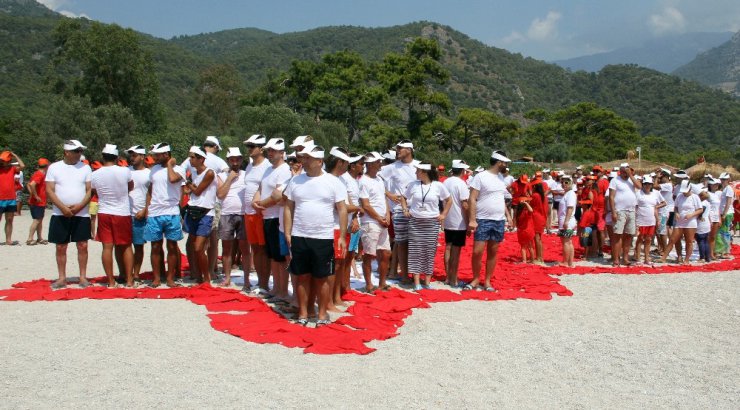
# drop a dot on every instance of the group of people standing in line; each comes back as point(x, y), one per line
point(303, 217)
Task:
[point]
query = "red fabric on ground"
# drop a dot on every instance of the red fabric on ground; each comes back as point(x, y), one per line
point(371, 317)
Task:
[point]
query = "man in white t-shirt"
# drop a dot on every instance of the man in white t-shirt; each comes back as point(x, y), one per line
point(265, 201)
point(375, 221)
point(137, 198)
point(723, 243)
point(200, 214)
point(397, 176)
point(665, 214)
point(622, 202)
point(456, 223)
point(163, 212)
point(253, 223)
point(68, 188)
point(112, 184)
point(231, 185)
point(487, 216)
point(313, 200)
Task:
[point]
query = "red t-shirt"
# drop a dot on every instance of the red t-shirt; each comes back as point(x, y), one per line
point(588, 218)
point(40, 179)
point(7, 183)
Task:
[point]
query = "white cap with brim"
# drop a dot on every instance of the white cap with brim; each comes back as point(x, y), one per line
point(500, 157)
point(256, 139)
point(405, 144)
point(423, 166)
point(546, 170)
point(390, 154)
point(479, 169)
point(110, 149)
point(685, 187)
point(213, 140)
point(681, 174)
point(292, 155)
point(71, 145)
point(372, 157)
point(277, 144)
point(335, 152)
point(160, 148)
point(137, 149)
point(318, 154)
point(707, 176)
point(197, 151)
point(666, 171)
point(714, 181)
point(613, 174)
point(624, 165)
point(459, 164)
point(300, 141)
point(696, 188)
point(233, 152)
point(724, 175)
point(647, 179)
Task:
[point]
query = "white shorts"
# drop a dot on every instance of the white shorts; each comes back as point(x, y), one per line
point(374, 237)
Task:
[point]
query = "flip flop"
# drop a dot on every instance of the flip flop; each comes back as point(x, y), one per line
point(14, 243)
point(42, 242)
point(323, 322)
point(56, 285)
point(31, 243)
point(302, 321)
point(84, 285)
point(490, 289)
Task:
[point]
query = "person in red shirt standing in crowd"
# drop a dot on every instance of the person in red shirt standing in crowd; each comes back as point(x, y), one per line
point(518, 189)
point(441, 173)
point(599, 189)
point(37, 203)
point(540, 208)
point(8, 201)
point(587, 226)
point(525, 228)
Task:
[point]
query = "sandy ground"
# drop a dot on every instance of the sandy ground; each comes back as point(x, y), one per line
point(622, 341)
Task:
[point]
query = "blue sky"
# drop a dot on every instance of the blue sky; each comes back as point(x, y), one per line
point(546, 30)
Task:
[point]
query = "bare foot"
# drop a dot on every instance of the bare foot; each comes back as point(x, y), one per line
point(156, 284)
point(333, 308)
point(59, 284)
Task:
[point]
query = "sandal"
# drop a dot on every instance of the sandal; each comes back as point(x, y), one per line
point(323, 322)
point(14, 243)
point(490, 289)
point(302, 321)
point(31, 242)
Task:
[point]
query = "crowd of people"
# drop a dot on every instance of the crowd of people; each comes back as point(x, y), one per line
point(304, 217)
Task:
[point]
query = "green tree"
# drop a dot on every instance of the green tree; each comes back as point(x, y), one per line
point(219, 90)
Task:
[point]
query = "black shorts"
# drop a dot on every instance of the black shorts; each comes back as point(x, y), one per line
point(671, 217)
point(455, 237)
point(65, 230)
point(555, 205)
point(37, 212)
point(272, 239)
point(312, 256)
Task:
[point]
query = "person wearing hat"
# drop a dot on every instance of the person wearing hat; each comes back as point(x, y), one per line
point(587, 227)
point(112, 184)
point(137, 198)
point(351, 178)
point(714, 186)
point(420, 203)
point(253, 223)
point(441, 173)
point(19, 182)
point(398, 176)
point(704, 225)
point(723, 242)
point(375, 221)
point(665, 222)
point(37, 202)
point(230, 191)
point(264, 201)
point(68, 188)
point(200, 213)
point(649, 203)
point(687, 208)
point(487, 217)
point(556, 188)
point(566, 220)
point(525, 228)
point(314, 200)
point(456, 223)
point(622, 201)
point(163, 212)
point(540, 210)
point(8, 196)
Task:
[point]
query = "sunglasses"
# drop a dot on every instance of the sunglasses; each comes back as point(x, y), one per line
point(78, 151)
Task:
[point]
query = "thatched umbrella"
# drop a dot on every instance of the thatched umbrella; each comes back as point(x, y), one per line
point(699, 170)
point(641, 167)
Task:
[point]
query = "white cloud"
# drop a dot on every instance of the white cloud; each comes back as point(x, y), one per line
point(514, 37)
point(53, 4)
point(69, 14)
point(544, 29)
point(669, 20)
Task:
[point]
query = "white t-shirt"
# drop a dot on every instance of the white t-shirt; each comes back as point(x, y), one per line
point(569, 201)
point(207, 198)
point(111, 184)
point(315, 204)
point(686, 205)
point(555, 186)
point(491, 190)
point(646, 204)
point(666, 191)
point(459, 192)
point(714, 201)
point(165, 195)
point(69, 184)
point(233, 203)
point(508, 180)
point(213, 161)
point(397, 176)
point(728, 194)
point(704, 225)
point(373, 189)
point(353, 188)
point(274, 178)
point(423, 200)
point(253, 176)
point(137, 196)
point(624, 196)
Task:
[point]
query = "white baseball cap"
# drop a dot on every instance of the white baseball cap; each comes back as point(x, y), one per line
point(138, 149)
point(459, 164)
point(213, 140)
point(302, 141)
point(277, 144)
point(647, 179)
point(110, 149)
point(681, 174)
point(724, 175)
point(197, 151)
point(685, 186)
point(233, 152)
point(624, 165)
point(500, 156)
point(160, 148)
point(336, 152)
point(405, 144)
point(390, 154)
point(71, 145)
point(256, 139)
point(479, 169)
point(313, 151)
point(424, 166)
point(373, 156)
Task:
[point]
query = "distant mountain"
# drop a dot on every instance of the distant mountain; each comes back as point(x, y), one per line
point(27, 8)
point(718, 67)
point(664, 54)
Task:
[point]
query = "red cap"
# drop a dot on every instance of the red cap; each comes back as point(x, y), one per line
point(524, 178)
point(96, 165)
point(149, 160)
point(5, 156)
point(441, 167)
point(585, 202)
point(43, 162)
point(122, 163)
point(538, 174)
point(86, 162)
point(524, 199)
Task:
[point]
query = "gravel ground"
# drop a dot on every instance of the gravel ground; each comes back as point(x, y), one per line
point(622, 341)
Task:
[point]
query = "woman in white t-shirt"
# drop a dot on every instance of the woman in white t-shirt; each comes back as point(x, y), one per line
point(714, 199)
point(566, 220)
point(687, 210)
point(704, 227)
point(420, 203)
point(648, 204)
